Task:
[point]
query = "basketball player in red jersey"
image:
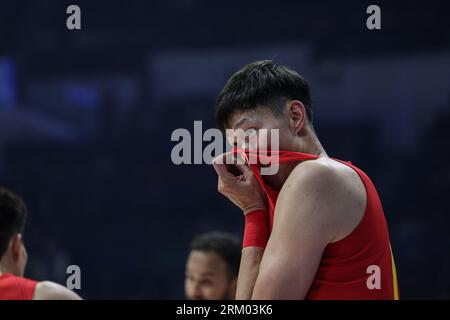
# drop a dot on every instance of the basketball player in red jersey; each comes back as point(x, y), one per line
point(13, 257)
point(315, 229)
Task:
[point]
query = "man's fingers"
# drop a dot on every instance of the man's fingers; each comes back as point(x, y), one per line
point(244, 169)
point(221, 169)
point(241, 158)
point(242, 164)
point(229, 165)
point(219, 164)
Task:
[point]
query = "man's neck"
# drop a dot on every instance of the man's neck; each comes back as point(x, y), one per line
point(310, 144)
point(4, 270)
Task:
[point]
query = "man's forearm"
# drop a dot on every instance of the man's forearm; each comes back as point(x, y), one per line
point(256, 233)
point(248, 272)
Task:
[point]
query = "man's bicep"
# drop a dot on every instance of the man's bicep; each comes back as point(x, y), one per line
point(289, 263)
point(302, 229)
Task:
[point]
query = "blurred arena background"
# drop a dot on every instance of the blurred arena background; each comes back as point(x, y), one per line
point(86, 118)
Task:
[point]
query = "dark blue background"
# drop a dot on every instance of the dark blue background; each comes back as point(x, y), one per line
point(86, 118)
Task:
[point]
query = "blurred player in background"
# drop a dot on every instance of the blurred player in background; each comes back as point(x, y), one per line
point(13, 257)
point(212, 267)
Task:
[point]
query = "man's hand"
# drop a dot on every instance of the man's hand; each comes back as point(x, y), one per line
point(238, 183)
point(242, 189)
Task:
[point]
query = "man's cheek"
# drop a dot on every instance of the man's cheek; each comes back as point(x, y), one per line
point(260, 141)
point(254, 144)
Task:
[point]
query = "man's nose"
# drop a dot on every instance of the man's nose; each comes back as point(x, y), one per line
point(196, 292)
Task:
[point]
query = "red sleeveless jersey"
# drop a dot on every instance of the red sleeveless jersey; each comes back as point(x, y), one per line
point(16, 288)
point(347, 264)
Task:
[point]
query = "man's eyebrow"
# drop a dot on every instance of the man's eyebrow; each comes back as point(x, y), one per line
point(204, 273)
point(240, 122)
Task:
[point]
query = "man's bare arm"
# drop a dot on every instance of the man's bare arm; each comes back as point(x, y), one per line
point(308, 216)
point(248, 272)
point(247, 194)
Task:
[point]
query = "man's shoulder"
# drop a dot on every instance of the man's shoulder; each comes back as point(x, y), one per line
point(321, 170)
point(335, 191)
point(48, 290)
point(326, 171)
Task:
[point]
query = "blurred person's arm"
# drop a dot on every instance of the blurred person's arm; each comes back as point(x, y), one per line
point(47, 290)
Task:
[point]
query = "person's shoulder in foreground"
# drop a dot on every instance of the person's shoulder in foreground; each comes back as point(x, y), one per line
point(47, 290)
point(14, 256)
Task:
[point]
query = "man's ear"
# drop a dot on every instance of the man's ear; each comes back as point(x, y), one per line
point(16, 245)
point(297, 116)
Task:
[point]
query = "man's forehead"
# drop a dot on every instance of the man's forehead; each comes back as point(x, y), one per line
point(205, 257)
point(242, 116)
point(206, 263)
point(239, 117)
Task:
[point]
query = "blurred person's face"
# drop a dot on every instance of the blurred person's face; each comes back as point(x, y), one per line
point(208, 278)
point(292, 126)
point(15, 258)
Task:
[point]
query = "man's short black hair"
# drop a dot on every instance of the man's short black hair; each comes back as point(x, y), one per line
point(261, 83)
point(224, 244)
point(13, 216)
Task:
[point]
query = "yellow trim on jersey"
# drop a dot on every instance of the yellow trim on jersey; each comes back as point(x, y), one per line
point(394, 276)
